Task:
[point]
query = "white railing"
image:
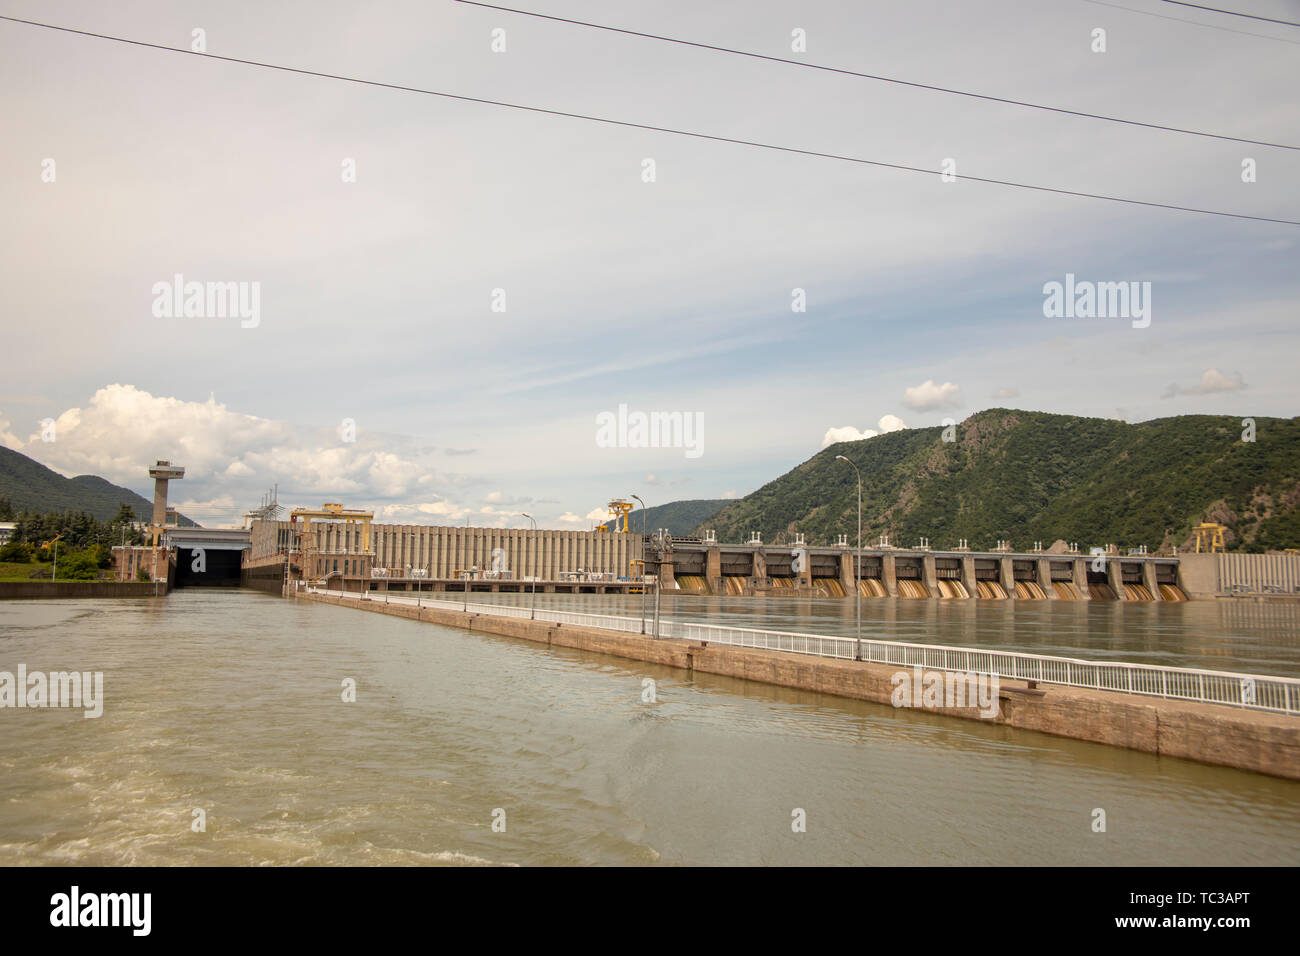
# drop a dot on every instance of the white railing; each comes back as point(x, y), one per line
point(1251, 691)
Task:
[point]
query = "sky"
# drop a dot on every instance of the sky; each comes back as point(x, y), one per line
point(453, 296)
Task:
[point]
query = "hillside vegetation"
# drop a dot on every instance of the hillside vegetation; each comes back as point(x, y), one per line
point(1032, 476)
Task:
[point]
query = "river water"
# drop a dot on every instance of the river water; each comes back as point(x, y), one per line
point(230, 702)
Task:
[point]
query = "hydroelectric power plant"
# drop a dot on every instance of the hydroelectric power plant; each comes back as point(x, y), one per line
point(345, 549)
point(351, 553)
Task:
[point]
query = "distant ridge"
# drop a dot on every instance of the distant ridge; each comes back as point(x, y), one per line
point(1032, 476)
point(30, 486)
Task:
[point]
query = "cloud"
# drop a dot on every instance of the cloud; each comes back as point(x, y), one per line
point(459, 451)
point(653, 479)
point(7, 437)
point(1212, 381)
point(229, 455)
point(497, 498)
point(887, 423)
point(428, 512)
point(928, 396)
point(1009, 392)
point(569, 518)
point(728, 494)
point(213, 511)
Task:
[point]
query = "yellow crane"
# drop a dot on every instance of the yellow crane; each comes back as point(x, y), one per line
point(1209, 536)
point(621, 510)
point(333, 511)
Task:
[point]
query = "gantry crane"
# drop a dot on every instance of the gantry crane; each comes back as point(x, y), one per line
point(621, 510)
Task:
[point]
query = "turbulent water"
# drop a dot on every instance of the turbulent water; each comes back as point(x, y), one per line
point(230, 703)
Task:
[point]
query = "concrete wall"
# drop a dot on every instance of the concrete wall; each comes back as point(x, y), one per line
point(443, 550)
point(268, 576)
point(1259, 572)
point(1208, 575)
point(1228, 736)
point(22, 590)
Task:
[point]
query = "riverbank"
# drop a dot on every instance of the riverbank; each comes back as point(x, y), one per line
point(1243, 739)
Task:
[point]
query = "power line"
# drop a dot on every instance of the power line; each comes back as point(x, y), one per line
point(1194, 23)
point(656, 129)
point(1232, 13)
point(875, 77)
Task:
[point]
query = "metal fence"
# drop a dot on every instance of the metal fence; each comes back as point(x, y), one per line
point(1251, 691)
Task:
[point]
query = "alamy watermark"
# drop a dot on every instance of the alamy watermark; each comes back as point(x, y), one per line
point(933, 689)
point(75, 908)
point(1098, 300)
point(624, 429)
point(57, 689)
point(179, 299)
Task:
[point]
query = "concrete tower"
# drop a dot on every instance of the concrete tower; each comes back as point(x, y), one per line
point(161, 473)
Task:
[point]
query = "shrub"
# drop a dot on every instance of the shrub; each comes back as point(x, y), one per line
point(80, 566)
point(17, 552)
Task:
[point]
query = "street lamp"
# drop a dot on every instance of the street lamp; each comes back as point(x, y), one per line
point(54, 573)
point(642, 564)
point(533, 615)
point(857, 559)
point(466, 563)
point(661, 542)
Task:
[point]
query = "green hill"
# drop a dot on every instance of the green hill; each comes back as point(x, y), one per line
point(1032, 476)
point(679, 517)
point(30, 486)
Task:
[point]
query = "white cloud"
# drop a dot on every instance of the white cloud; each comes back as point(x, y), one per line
point(887, 423)
point(730, 494)
point(845, 433)
point(653, 479)
point(1212, 380)
point(8, 438)
point(569, 518)
point(928, 396)
point(122, 430)
point(428, 512)
point(1009, 392)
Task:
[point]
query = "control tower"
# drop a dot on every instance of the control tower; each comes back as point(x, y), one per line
point(161, 473)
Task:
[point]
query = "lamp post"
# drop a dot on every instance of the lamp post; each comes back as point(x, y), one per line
point(857, 560)
point(661, 540)
point(54, 572)
point(410, 560)
point(532, 616)
point(642, 564)
point(466, 563)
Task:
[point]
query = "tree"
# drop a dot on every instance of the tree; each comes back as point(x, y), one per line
point(16, 551)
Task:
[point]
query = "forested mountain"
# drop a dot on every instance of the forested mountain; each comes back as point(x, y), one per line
point(1032, 476)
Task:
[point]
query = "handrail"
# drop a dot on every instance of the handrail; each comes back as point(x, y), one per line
point(1228, 688)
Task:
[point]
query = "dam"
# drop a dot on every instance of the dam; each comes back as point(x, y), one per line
point(345, 548)
point(448, 558)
